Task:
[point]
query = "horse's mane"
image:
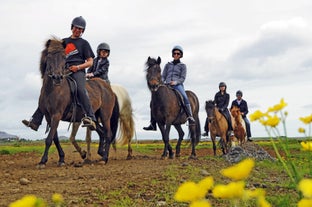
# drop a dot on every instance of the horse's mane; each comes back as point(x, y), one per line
point(52, 45)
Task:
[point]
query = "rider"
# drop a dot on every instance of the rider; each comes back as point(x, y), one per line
point(79, 56)
point(243, 107)
point(174, 74)
point(221, 100)
point(101, 63)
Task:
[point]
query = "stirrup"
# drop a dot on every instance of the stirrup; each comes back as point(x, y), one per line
point(88, 122)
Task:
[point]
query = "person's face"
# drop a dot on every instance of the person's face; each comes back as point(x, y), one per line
point(103, 53)
point(239, 97)
point(176, 54)
point(222, 88)
point(77, 32)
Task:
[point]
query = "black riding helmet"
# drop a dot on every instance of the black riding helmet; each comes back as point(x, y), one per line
point(103, 46)
point(239, 93)
point(79, 22)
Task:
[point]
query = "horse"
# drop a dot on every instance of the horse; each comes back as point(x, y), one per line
point(218, 126)
point(56, 102)
point(126, 125)
point(167, 110)
point(239, 126)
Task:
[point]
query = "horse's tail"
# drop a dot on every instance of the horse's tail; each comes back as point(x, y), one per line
point(195, 101)
point(126, 121)
point(114, 120)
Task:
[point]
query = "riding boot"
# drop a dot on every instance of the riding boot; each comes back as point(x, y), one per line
point(189, 114)
point(152, 126)
point(35, 120)
point(206, 129)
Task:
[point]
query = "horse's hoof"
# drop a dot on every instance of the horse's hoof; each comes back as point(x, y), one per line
point(83, 154)
point(129, 157)
point(163, 157)
point(40, 166)
point(171, 156)
point(61, 164)
point(178, 155)
point(193, 157)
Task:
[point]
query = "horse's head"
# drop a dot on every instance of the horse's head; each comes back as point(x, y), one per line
point(210, 109)
point(52, 63)
point(153, 73)
point(235, 111)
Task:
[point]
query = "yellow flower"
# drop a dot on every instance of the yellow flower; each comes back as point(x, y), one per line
point(278, 107)
point(305, 186)
point(200, 203)
point(301, 130)
point(272, 121)
point(305, 202)
point(230, 191)
point(57, 198)
point(254, 193)
point(262, 202)
point(190, 191)
point(256, 115)
point(307, 119)
point(28, 201)
point(307, 146)
point(239, 171)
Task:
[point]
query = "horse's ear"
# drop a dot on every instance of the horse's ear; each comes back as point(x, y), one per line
point(158, 60)
point(149, 58)
point(48, 43)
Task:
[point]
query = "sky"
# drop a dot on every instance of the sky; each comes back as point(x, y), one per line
point(261, 47)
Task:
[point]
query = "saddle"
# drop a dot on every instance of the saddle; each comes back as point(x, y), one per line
point(73, 93)
point(180, 100)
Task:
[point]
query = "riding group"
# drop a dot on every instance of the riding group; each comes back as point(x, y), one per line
point(67, 95)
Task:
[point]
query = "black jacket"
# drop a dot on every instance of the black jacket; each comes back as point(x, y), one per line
point(100, 68)
point(243, 107)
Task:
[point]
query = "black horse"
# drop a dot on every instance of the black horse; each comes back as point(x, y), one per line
point(56, 102)
point(167, 109)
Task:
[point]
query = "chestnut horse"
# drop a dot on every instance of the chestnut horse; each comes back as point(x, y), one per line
point(56, 102)
point(218, 126)
point(167, 110)
point(126, 125)
point(239, 126)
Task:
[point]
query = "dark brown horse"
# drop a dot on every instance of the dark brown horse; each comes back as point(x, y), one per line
point(56, 102)
point(218, 126)
point(167, 109)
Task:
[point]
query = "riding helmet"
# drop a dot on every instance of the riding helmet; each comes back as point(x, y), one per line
point(103, 46)
point(177, 47)
point(222, 84)
point(239, 92)
point(79, 22)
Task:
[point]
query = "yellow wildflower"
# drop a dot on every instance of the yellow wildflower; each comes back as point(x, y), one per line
point(254, 193)
point(256, 115)
point(262, 202)
point(278, 107)
point(305, 186)
point(272, 121)
point(305, 202)
point(307, 119)
point(205, 184)
point(301, 130)
point(188, 192)
point(307, 146)
point(200, 203)
point(239, 171)
point(230, 191)
point(57, 198)
point(28, 201)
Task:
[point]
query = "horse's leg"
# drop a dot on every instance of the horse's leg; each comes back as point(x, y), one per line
point(129, 156)
point(165, 138)
point(72, 138)
point(48, 142)
point(181, 135)
point(214, 147)
point(88, 141)
point(106, 136)
point(192, 130)
point(61, 153)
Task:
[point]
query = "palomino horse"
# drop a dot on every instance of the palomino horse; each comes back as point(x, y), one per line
point(218, 126)
point(239, 126)
point(167, 109)
point(126, 125)
point(56, 102)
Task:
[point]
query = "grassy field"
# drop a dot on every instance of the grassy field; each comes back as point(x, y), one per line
point(269, 175)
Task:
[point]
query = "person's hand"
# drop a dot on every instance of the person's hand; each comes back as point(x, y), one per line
point(89, 75)
point(173, 83)
point(74, 68)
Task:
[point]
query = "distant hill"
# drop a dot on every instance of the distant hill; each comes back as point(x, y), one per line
point(6, 136)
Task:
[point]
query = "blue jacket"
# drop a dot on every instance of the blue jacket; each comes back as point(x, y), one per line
point(173, 72)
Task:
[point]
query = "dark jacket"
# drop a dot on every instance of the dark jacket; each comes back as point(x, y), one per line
point(100, 68)
point(243, 107)
point(222, 100)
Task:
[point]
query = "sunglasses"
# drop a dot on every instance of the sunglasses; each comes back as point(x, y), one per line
point(176, 53)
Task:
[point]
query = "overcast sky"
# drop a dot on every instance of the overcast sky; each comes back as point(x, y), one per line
point(261, 47)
